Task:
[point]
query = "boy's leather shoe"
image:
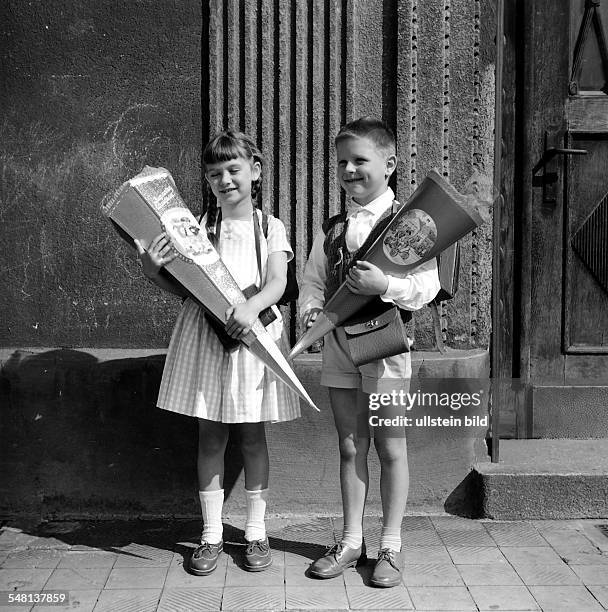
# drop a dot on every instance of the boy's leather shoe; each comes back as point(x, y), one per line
point(257, 555)
point(387, 571)
point(204, 558)
point(336, 560)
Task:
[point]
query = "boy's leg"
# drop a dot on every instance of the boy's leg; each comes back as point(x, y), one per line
point(255, 461)
point(350, 410)
point(394, 484)
point(212, 439)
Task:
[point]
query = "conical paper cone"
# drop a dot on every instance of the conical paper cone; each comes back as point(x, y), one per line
point(435, 217)
point(148, 204)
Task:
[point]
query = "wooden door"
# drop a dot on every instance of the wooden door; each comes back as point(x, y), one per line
point(564, 230)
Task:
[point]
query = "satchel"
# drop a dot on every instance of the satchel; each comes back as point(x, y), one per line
point(376, 337)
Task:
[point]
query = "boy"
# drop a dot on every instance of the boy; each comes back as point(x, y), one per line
point(366, 158)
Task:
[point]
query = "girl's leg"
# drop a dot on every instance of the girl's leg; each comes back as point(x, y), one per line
point(255, 455)
point(350, 409)
point(212, 440)
point(255, 462)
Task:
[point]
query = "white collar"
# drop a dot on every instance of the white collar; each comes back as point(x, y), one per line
point(375, 207)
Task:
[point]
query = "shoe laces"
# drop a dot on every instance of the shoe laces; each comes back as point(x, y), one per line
point(261, 545)
point(204, 547)
point(386, 554)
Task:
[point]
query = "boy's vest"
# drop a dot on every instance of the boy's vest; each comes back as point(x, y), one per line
point(339, 260)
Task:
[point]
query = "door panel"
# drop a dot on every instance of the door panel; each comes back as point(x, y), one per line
point(564, 340)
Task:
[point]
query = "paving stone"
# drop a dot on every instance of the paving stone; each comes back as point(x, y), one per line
point(570, 540)
point(140, 600)
point(77, 578)
point(431, 574)
point(79, 601)
point(180, 599)
point(591, 574)
point(515, 534)
point(297, 575)
point(474, 555)
point(547, 575)
point(47, 559)
point(141, 555)
point(364, 598)
point(358, 576)
point(178, 576)
point(11, 539)
point(600, 593)
point(139, 577)
point(419, 537)
point(524, 555)
point(425, 554)
point(296, 551)
point(441, 598)
point(265, 599)
point(449, 523)
point(566, 598)
point(87, 559)
point(466, 537)
point(497, 574)
point(23, 579)
point(305, 598)
point(413, 523)
point(503, 598)
point(272, 576)
point(590, 557)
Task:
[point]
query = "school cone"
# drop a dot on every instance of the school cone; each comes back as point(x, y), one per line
point(150, 203)
point(435, 217)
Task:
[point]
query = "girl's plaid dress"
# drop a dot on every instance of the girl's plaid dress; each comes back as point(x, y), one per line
point(203, 380)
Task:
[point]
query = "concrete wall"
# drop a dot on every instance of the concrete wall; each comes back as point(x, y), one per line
point(92, 91)
point(81, 436)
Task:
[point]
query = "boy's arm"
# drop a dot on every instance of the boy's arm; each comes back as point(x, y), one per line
point(416, 289)
point(312, 289)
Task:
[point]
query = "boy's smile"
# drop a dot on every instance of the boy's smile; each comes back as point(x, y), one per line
point(363, 168)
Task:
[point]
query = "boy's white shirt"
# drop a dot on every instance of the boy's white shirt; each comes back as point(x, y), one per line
point(409, 293)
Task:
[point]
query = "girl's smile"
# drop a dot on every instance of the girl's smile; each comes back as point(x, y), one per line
point(231, 181)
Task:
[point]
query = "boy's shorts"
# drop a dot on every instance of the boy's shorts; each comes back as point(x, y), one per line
point(381, 376)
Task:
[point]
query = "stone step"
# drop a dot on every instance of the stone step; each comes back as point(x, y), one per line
point(545, 479)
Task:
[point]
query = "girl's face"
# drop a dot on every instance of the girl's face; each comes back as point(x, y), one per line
point(231, 180)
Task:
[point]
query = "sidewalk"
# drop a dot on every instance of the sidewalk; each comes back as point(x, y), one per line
point(450, 564)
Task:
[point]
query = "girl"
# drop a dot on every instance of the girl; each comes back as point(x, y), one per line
point(219, 386)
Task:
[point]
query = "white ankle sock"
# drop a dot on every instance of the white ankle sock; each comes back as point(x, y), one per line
point(255, 528)
point(211, 506)
point(352, 536)
point(391, 538)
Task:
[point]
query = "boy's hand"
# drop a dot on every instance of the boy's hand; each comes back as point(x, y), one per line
point(365, 278)
point(159, 253)
point(240, 319)
point(310, 317)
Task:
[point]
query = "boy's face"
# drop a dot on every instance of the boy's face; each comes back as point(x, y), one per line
point(363, 168)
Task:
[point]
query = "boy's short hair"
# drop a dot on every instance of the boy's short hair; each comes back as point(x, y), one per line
point(371, 128)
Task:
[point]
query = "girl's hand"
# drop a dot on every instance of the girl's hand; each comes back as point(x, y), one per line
point(310, 317)
point(159, 253)
point(240, 319)
point(365, 278)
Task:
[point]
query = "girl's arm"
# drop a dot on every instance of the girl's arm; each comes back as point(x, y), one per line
point(158, 254)
point(242, 316)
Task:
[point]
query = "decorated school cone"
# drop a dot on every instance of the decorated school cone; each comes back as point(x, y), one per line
point(150, 203)
point(435, 217)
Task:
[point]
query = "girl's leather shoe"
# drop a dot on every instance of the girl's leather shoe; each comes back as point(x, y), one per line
point(204, 558)
point(336, 560)
point(257, 556)
point(387, 572)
